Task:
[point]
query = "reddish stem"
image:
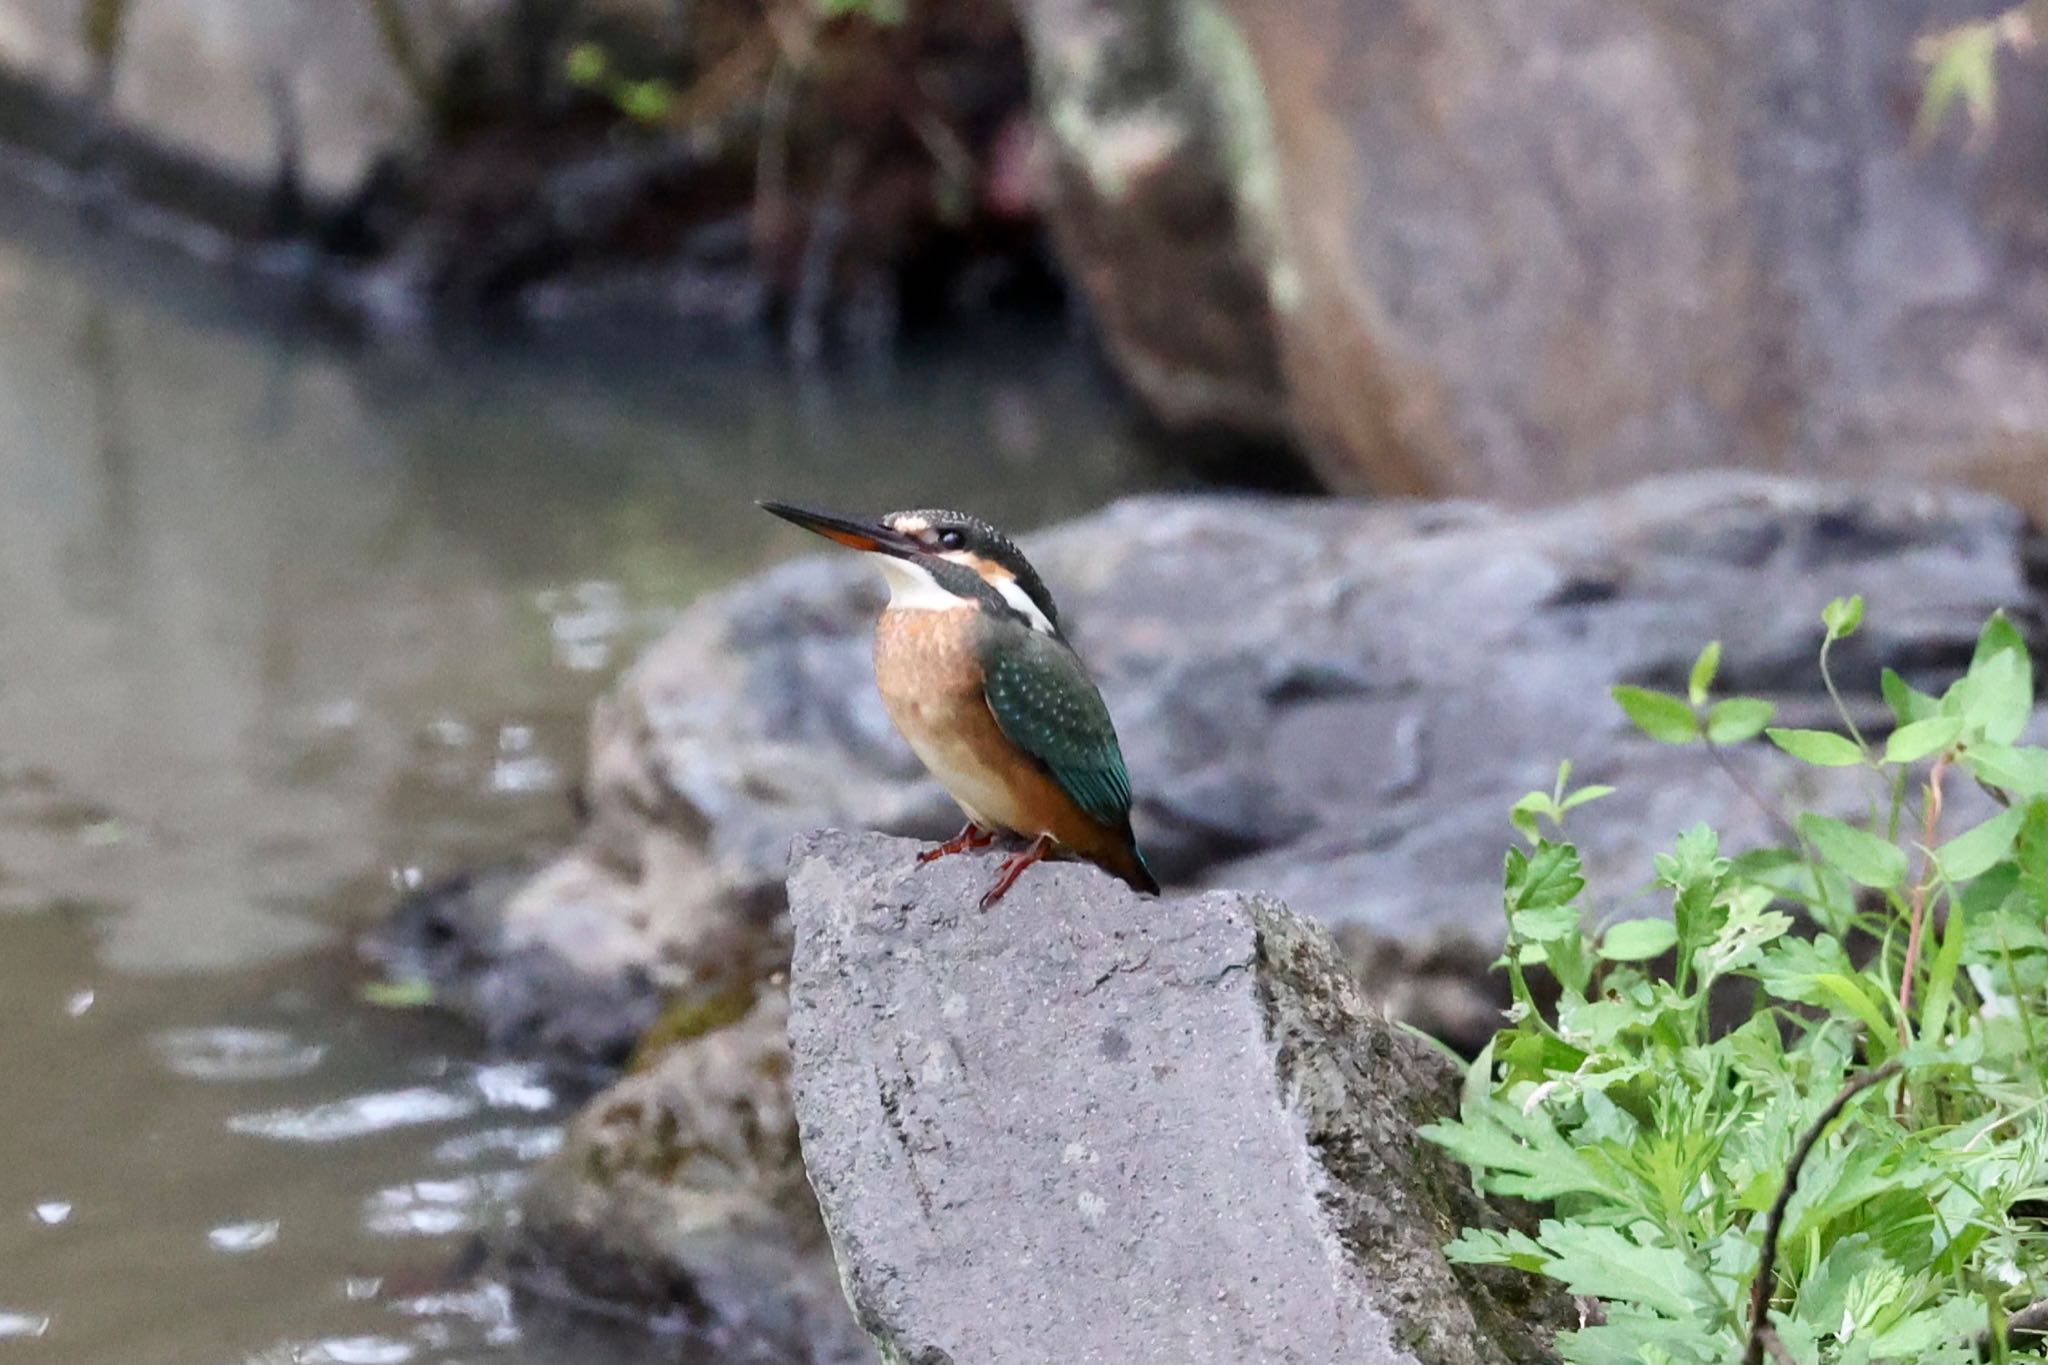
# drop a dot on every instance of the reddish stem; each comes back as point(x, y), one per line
point(1918, 922)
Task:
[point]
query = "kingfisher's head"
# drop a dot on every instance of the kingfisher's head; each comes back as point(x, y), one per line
point(936, 560)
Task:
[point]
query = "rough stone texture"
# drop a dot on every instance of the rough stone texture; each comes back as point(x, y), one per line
point(1156, 217)
point(1332, 701)
point(1522, 248)
point(679, 1194)
point(1091, 1127)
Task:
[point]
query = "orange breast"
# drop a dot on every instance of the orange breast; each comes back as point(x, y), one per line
point(930, 675)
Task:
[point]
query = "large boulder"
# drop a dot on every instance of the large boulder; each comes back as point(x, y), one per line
point(1085, 1126)
point(1333, 701)
point(678, 1196)
point(1526, 248)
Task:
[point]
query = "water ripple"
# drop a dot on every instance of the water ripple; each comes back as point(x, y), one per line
point(357, 1116)
point(239, 1239)
point(16, 1324)
point(523, 1144)
point(514, 1085)
point(236, 1054)
point(441, 1208)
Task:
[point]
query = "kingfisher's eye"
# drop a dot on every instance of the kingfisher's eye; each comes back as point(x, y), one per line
point(952, 540)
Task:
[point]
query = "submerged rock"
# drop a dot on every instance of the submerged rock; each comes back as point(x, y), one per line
point(679, 1196)
point(1334, 701)
point(1087, 1126)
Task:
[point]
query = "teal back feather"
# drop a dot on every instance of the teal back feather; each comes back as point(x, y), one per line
point(1044, 700)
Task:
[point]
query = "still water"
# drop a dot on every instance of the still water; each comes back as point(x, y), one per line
point(283, 623)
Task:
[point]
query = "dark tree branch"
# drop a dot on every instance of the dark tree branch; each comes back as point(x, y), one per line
point(1761, 1337)
point(2029, 1321)
point(1779, 1354)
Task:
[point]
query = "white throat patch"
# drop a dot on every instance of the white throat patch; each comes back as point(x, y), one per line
point(912, 588)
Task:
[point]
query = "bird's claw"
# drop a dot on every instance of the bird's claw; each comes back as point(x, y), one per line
point(971, 836)
point(1013, 868)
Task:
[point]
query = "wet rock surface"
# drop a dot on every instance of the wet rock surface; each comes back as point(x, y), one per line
point(1335, 702)
point(679, 1197)
point(1089, 1126)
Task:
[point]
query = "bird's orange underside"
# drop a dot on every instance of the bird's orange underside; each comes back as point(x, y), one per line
point(929, 670)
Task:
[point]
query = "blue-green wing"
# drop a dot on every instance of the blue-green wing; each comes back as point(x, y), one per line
point(1045, 701)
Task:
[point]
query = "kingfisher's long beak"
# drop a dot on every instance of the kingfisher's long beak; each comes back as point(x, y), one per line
point(872, 537)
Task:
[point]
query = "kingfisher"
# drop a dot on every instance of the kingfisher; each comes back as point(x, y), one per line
point(977, 676)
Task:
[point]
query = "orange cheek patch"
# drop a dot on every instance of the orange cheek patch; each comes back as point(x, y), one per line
point(989, 570)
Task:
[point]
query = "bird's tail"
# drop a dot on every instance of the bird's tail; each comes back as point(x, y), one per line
point(1131, 866)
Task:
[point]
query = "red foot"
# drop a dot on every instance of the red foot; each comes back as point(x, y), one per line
point(970, 836)
point(1013, 868)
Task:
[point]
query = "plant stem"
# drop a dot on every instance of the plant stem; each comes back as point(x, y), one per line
point(1760, 1333)
point(1748, 789)
point(1917, 924)
point(1841, 708)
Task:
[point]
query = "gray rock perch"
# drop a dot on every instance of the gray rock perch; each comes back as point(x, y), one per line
point(1090, 1127)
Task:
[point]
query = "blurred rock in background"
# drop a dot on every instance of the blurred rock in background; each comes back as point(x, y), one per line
point(731, 161)
point(1506, 249)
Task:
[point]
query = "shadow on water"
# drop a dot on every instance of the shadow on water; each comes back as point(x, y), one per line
point(281, 619)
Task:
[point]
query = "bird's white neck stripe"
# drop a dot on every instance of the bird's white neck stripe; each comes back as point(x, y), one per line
point(1013, 593)
point(912, 588)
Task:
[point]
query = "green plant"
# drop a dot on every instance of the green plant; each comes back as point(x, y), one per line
point(1867, 1148)
point(1962, 69)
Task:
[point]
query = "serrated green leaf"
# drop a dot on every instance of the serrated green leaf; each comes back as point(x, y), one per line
point(1974, 853)
point(1791, 967)
point(1919, 1335)
point(1822, 748)
point(1738, 719)
point(1485, 1246)
point(1661, 716)
point(1547, 878)
point(1601, 1261)
point(1741, 939)
point(1635, 940)
point(1860, 855)
point(1916, 740)
point(1703, 670)
point(1516, 1154)
point(1842, 616)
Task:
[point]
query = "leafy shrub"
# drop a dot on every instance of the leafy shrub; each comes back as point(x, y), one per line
point(1896, 975)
